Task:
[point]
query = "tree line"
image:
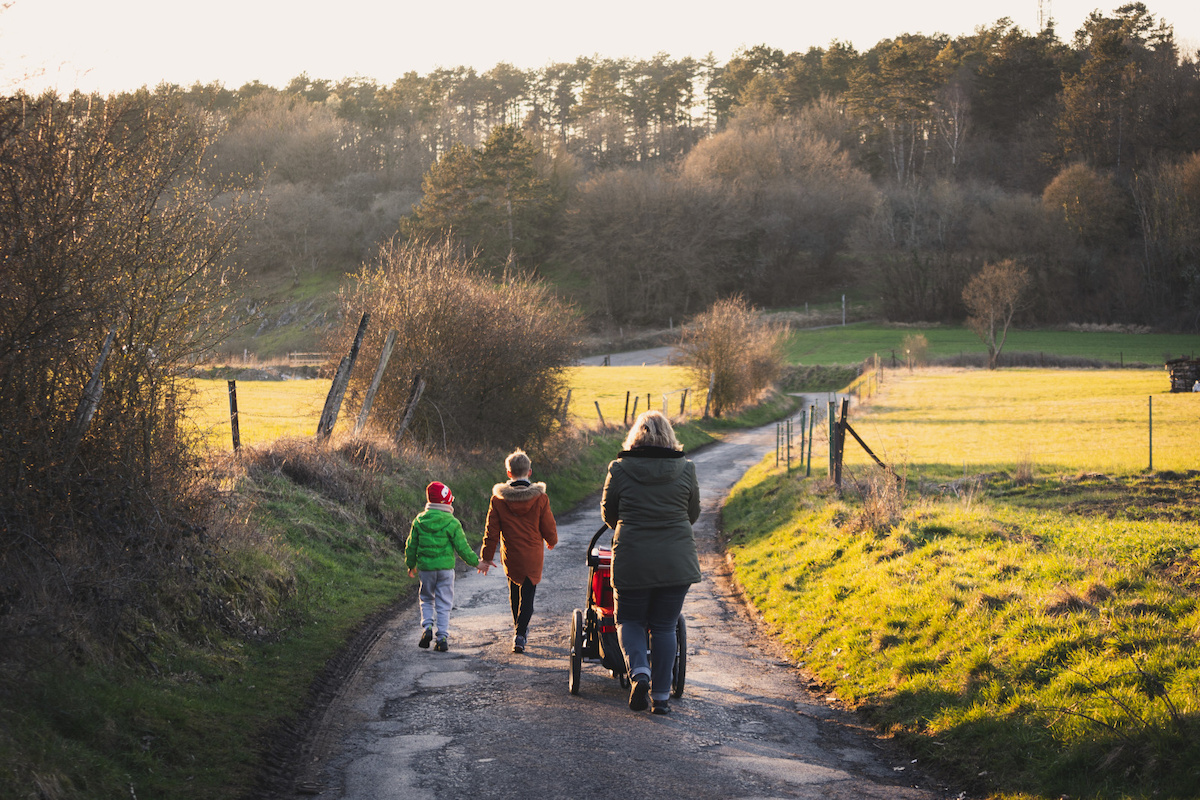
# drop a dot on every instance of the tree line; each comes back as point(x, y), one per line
point(648, 188)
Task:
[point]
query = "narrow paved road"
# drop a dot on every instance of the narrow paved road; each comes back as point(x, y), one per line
point(481, 722)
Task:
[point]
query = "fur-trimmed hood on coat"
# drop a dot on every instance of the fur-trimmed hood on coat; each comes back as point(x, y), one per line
point(515, 494)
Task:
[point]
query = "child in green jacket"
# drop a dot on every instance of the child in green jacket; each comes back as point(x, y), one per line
point(435, 537)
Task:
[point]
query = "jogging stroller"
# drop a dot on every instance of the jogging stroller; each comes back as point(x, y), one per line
point(594, 628)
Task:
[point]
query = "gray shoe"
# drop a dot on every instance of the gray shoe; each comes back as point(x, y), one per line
point(660, 706)
point(426, 638)
point(518, 644)
point(442, 645)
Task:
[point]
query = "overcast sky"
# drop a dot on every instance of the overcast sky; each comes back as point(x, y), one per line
point(114, 45)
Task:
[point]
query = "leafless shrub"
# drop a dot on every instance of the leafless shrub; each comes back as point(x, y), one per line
point(915, 347)
point(732, 349)
point(492, 355)
point(107, 222)
point(884, 495)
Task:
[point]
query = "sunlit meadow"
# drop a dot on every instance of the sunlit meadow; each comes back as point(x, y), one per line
point(268, 410)
point(947, 420)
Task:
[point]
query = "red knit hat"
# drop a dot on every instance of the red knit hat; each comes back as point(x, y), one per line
point(438, 492)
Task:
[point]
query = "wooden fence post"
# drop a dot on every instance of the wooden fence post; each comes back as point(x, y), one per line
point(414, 397)
point(233, 417)
point(333, 402)
point(625, 419)
point(90, 400)
point(565, 408)
point(712, 381)
point(812, 420)
point(831, 423)
point(633, 414)
point(600, 414)
point(388, 344)
point(1150, 407)
point(683, 402)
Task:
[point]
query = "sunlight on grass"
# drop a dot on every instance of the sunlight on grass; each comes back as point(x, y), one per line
point(608, 385)
point(268, 410)
point(978, 420)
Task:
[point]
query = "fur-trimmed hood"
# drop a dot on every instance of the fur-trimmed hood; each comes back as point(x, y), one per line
point(515, 494)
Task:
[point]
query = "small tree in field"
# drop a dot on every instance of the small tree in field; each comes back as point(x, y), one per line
point(733, 348)
point(992, 297)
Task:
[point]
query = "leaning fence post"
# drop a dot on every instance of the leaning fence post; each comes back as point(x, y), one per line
point(90, 400)
point(337, 391)
point(633, 413)
point(414, 397)
point(683, 402)
point(388, 344)
point(233, 417)
point(625, 419)
point(600, 414)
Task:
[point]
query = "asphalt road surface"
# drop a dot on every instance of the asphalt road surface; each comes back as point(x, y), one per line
point(482, 722)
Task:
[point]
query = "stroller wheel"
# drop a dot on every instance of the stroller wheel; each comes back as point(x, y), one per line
point(576, 649)
point(679, 670)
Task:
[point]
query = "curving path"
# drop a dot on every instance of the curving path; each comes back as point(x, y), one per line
point(481, 722)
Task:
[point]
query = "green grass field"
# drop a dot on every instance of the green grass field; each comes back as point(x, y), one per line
point(1032, 631)
point(852, 344)
point(944, 421)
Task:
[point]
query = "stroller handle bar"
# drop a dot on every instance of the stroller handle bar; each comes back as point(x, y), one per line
point(594, 560)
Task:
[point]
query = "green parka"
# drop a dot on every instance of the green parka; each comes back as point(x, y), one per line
point(650, 500)
point(436, 535)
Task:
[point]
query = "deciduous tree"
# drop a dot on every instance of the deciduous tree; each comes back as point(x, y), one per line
point(992, 297)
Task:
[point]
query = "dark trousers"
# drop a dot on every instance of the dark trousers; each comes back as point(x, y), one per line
point(520, 597)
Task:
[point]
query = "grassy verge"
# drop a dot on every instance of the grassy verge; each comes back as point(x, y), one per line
point(189, 716)
point(1033, 638)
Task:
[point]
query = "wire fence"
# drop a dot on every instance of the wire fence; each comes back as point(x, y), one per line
point(1035, 421)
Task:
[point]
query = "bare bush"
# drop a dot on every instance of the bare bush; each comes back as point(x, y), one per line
point(733, 350)
point(492, 354)
point(915, 347)
point(884, 495)
point(106, 223)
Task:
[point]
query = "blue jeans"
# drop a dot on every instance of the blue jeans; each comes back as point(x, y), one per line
point(437, 597)
point(652, 613)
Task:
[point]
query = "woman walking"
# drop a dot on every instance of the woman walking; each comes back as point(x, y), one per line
point(650, 500)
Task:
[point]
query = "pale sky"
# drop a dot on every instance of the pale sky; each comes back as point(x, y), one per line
point(115, 45)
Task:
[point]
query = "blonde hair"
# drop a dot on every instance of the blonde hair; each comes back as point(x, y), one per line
point(518, 464)
point(651, 429)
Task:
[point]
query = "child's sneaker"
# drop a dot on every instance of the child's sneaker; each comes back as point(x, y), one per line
point(426, 638)
point(518, 644)
point(442, 645)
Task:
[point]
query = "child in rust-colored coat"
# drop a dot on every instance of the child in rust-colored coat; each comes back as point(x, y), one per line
point(519, 522)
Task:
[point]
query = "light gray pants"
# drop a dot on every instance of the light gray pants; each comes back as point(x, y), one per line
point(437, 598)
